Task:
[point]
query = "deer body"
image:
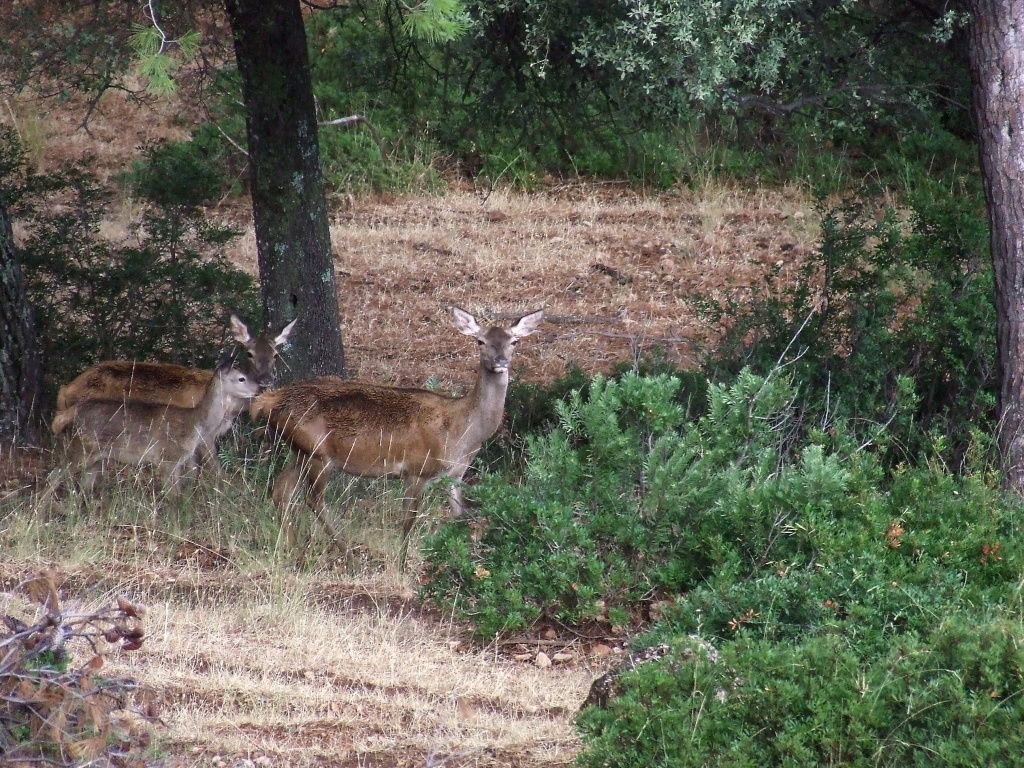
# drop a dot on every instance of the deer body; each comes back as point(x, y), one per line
point(372, 430)
point(164, 384)
point(165, 436)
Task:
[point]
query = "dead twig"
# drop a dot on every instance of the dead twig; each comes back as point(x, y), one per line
point(356, 120)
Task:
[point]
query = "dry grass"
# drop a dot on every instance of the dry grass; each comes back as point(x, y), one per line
point(252, 660)
point(259, 662)
point(614, 268)
point(616, 272)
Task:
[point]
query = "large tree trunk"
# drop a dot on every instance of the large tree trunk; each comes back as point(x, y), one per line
point(288, 202)
point(21, 379)
point(997, 68)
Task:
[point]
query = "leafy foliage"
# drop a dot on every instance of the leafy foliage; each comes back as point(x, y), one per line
point(951, 694)
point(822, 607)
point(648, 90)
point(894, 644)
point(624, 499)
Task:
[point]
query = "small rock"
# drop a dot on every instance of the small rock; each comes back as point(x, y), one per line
point(562, 656)
point(542, 660)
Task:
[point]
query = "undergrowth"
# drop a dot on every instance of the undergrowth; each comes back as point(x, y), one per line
point(858, 612)
point(56, 705)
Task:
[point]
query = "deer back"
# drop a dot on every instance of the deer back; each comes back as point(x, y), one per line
point(365, 429)
point(163, 383)
point(157, 383)
point(139, 432)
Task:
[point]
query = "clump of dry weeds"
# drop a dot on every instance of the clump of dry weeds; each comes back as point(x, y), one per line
point(55, 706)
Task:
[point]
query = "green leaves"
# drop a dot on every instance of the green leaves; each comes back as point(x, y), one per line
point(154, 64)
point(624, 497)
point(436, 21)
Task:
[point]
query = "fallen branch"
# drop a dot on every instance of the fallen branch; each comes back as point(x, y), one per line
point(355, 120)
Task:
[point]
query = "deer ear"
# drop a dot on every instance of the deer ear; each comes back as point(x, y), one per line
point(466, 323)
point(527, 324)
point(282, 337)
point(239, 330)
point(227, 360)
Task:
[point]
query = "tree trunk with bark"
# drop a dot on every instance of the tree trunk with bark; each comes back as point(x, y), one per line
point(997, 69)
point(288, 202)
point(21, 378)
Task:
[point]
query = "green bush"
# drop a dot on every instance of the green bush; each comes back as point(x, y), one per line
point(626, 499)
point(883, 298)
point(882, 629)
point(950, 696)
point(165, 294)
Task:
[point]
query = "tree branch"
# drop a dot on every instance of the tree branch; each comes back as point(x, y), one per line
point(878, 91)
point(353, 120)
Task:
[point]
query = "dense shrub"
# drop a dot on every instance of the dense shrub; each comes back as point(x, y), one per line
point(163, 294)
point(822, 607)
point(951, 695)
point(532, 409)
point(662, 94)
point(898, 643)
point(884, 296)
point(625, 499)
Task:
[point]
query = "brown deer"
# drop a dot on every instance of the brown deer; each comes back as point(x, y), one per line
point(372, 430)
point(164, 383)
point(165, 436)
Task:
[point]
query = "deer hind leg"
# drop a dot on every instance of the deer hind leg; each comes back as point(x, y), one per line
point(283, 493)
point(410, 511)
point(318, 472)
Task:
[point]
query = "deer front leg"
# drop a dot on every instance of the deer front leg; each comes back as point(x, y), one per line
point(456, 473)
point(455, 498)
point(206, 457)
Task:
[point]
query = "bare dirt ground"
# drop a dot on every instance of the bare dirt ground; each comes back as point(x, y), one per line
point(261, 665)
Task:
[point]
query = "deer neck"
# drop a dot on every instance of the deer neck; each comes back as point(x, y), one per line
point(212, 408)
point(484, 406)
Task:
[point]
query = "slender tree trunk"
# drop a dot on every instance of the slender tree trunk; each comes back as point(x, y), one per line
point(288, 202)
point(21, 378)
point(997, 69)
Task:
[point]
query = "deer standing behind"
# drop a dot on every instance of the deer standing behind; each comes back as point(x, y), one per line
point(372, 430)
point(165, 436)
point(165, 383)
